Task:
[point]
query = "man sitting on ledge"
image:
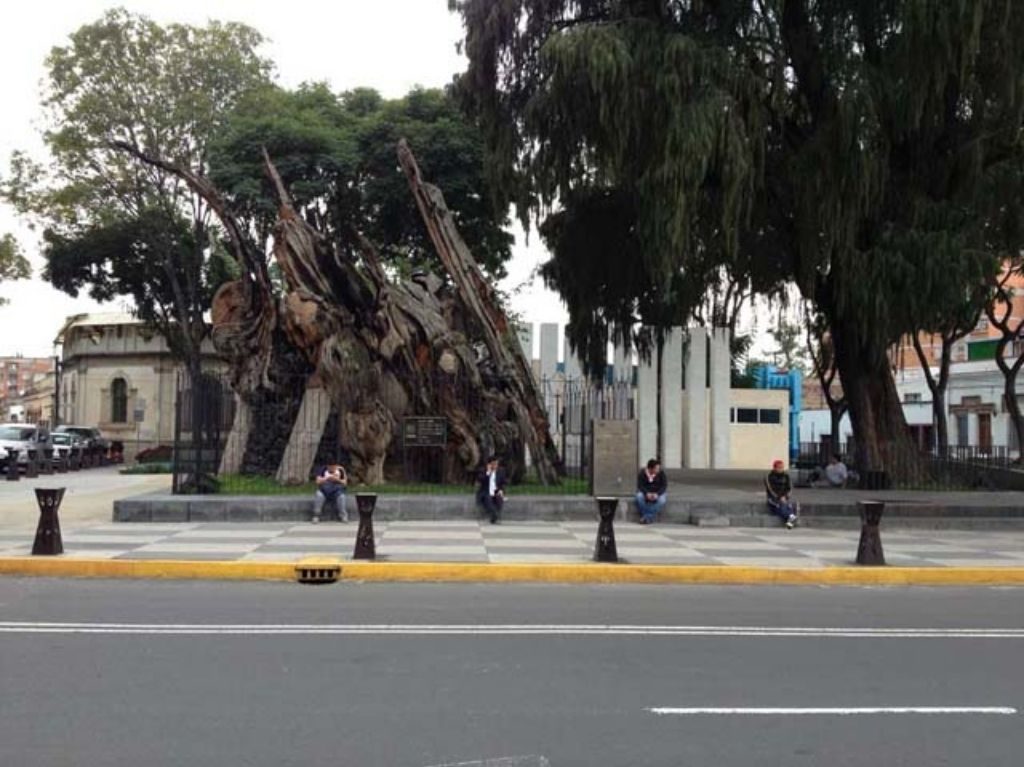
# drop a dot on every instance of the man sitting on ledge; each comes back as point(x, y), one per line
point(651, 491)
point(779, 487)
point(331, 483)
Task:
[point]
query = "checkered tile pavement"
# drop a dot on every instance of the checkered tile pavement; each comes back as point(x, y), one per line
point(468, 541)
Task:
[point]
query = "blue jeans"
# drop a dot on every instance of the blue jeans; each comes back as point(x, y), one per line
point(649, 509)
point(335, 496)
point(782, 509)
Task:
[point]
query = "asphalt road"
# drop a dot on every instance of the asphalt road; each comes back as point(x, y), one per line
point(128, 673)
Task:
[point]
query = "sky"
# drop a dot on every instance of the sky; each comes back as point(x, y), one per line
point(390, 45)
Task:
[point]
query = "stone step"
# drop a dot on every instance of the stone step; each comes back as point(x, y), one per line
point(285, 508)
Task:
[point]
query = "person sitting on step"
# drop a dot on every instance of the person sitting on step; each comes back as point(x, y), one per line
point(651, 491)
point(490, 491)
point(779, 488)
point(331, 485)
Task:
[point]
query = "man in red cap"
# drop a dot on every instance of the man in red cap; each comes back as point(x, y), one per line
point(779, 487)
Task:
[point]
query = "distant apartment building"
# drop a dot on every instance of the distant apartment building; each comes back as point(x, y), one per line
point(20, 375)
point(975, 401)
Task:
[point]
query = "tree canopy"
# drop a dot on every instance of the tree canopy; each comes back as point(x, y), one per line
point(110, 223)
point(867, 151)
point(13, 265)
point(336, 156)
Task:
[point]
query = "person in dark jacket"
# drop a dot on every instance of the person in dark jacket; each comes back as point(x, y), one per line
point(490, 490)
point(651, 491)
point(779, 487)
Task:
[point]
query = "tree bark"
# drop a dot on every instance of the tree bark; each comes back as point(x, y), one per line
point(881, 438)
point(514, 374)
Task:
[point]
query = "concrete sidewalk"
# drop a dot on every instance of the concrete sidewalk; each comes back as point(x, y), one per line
point(535, 542)
point(88, 499)
point(468, 550)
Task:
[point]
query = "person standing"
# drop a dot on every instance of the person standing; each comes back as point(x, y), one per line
point(331, 485)
point(651, 491)
point(779, 488)
point(490, 492)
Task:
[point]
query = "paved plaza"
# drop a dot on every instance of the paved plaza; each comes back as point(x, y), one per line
point(554, 542)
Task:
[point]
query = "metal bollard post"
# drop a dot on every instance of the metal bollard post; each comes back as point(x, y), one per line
point(365, 546)
point(62, 464)
point(604, 547)
point(12, 466)
point(869, 550)
point(75, 459)
point(32, 465)
point(48, 541)
point(47, 467)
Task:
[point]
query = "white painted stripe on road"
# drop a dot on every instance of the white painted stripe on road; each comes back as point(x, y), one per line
point(25, 627)
point(989, 710)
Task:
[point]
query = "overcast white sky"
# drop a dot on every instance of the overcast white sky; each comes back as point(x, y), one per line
point(390, 45)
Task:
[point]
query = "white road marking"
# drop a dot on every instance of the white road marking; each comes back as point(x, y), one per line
point(990, 710)
point(258, 629)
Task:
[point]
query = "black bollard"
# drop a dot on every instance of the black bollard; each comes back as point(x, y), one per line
point(32, 465)
point(75, 459)
point(365, 546)
point(47, 467)
point(869, 550)
point(12, 466)
point(48, 541)
point(61, 463)
point(604, 547)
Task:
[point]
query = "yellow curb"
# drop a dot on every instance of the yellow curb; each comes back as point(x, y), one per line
point(450, 572)
point(58, 567)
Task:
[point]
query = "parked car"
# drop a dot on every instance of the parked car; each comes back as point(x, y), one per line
point(17, 439)
point(90, 436)
point(63, 443)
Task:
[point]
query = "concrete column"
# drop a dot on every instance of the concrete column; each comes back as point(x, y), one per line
point(623, 364)
point(672, 400)
point(647, 409)
point(695, 451)
point(525, 334)
point(721, 384)
point(573, 369)
point(548, 350)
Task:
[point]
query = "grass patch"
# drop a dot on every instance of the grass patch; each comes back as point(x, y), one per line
point(237, 484)
point(153, 467)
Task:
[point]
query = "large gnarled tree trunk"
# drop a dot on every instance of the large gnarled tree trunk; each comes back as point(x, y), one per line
point(381, 351)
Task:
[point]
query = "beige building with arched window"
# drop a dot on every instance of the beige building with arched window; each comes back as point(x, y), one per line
point(118, 375)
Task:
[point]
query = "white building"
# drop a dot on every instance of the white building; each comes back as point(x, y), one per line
point(117, 375)
point(977, 415)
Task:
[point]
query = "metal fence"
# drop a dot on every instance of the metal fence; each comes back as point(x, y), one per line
point(958, 467)
point(291, 431)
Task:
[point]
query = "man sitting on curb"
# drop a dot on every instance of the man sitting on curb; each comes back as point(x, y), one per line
point(779, 487)
point(490, 491)
point(331, 484)
point(651, 491)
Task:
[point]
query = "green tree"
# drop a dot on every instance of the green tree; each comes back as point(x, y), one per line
point(790, 338)
point(850, 147)
point(336, 156)
point(13, 265)
point(121, 86)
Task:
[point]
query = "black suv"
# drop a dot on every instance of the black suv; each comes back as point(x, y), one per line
point(89, 434)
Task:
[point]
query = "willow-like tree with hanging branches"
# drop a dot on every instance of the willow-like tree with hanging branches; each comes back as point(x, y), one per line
point(851, 147)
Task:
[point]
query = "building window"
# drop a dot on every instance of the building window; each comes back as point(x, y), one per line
point(770, 416)
point(747, 415)
point(912, 396)
point(962, 433)
point(119, 401)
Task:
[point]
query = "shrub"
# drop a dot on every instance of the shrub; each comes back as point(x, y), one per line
point(158, 454)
